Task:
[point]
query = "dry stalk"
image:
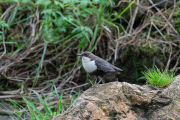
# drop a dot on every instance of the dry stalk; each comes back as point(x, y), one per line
point(165, 18)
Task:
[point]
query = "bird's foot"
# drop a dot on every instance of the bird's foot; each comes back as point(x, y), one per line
point(96, 84)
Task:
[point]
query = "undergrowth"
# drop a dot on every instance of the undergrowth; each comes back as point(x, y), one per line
point(39, 41)
point(45, 109)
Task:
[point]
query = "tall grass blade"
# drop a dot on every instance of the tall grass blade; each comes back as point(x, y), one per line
point(13, 16)
point(153, 65)
point(136, 70)
point(43, 103)
point(124, 10)
point(33, 109)
point(94, 38)
point(40, 64)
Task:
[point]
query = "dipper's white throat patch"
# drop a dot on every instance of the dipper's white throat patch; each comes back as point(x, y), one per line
point(88, 65)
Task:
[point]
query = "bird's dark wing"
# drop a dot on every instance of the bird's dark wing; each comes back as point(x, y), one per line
point(104, 65)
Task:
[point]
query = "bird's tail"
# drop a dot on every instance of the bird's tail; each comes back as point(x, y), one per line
point(116, 68)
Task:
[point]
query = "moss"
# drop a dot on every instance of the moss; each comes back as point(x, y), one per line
point(176, 19)
point(148, 49)
point(1, 12)
point(16, 38)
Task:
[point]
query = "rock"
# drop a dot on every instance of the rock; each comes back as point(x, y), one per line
point(124, 101)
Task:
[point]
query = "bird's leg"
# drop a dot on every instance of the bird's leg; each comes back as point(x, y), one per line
point(99, 80)
point(95, 80)
point(102, 80)
point(96, 84)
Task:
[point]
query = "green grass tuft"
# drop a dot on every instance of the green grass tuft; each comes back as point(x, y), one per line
point(158, 78)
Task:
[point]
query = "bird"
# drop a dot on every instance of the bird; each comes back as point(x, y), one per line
point(97, 66)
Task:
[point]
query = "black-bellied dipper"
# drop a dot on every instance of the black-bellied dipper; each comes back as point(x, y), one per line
point(96, 65)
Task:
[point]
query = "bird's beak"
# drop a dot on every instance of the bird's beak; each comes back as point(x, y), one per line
point(79, 54)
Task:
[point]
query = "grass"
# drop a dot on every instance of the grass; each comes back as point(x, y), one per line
point(157, 77)
point(42, 110)
point(43, 42)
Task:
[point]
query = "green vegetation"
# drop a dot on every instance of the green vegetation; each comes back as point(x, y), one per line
point(39, 40)
point(158, 78)
point(148, 49)
point(177, 20)
point(45, 110)
point(45, 31)
point(53, 26)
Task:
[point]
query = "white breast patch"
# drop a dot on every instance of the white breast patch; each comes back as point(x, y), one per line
point(88, 65)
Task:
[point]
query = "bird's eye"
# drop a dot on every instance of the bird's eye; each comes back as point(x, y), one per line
point(83, 54)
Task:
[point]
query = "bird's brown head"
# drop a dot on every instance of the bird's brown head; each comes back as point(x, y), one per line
point(85, 54)
point(88, 55)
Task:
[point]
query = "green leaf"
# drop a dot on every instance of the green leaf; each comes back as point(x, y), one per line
point(62, 29)
point(96, 1)
point(43, 2)
point(24, 1)
point(3, 24)
point(82, 43)
point(57, 3)
point(89, 10)
point(49, 11)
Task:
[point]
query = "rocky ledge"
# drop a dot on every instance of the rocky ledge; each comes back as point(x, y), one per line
point(124, 101)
